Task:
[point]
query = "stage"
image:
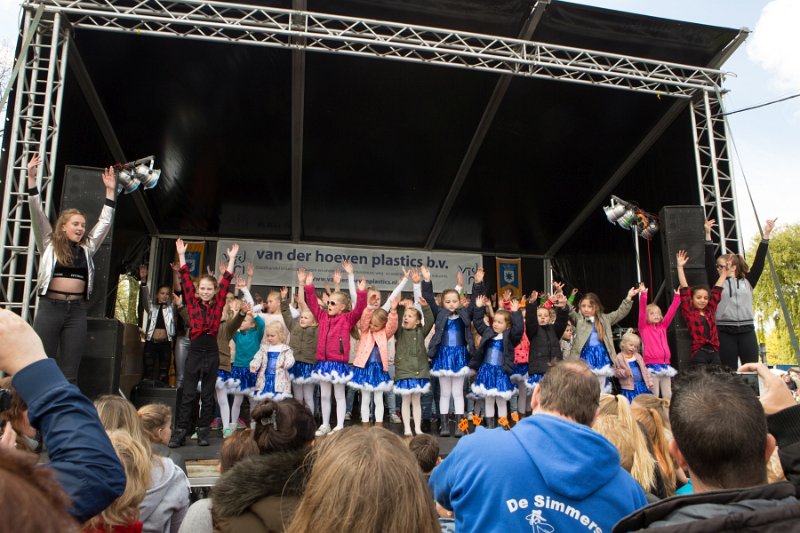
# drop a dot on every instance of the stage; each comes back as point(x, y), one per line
point(202, 461)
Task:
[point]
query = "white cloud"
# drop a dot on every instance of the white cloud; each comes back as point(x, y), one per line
point(775, 43)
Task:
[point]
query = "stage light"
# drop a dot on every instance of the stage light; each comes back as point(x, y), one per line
point(127, 182)
point(628, 219)
point(614, 211)
point(136, 173)
point(649, 231)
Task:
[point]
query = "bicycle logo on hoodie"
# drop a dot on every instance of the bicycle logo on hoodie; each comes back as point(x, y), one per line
point(538, 523)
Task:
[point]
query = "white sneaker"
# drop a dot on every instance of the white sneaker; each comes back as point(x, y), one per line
point(338, 428)
point(194, 436)
point(323, 430)
point(394, 419)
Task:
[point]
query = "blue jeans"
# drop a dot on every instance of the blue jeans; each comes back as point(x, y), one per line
point(61, 325)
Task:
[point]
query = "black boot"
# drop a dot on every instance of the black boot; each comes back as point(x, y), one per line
point(444, 426)
point(426, 425)
point(202, 436)
point(491, 422)
point(457, 433)
point(178, 438)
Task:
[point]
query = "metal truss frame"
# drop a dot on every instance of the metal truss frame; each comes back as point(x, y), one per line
point(39, 87)
point(714, 170)
point(34, 130)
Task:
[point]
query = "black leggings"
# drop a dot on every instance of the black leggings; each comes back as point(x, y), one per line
point(61, 324)
point(201, 365)
point(157, 357)
point(735, 345)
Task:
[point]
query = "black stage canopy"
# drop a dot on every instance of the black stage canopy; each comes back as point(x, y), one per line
point(383, 141)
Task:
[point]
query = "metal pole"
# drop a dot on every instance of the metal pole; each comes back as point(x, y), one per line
point(636, 247)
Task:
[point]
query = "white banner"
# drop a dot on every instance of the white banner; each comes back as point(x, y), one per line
point(276, 264)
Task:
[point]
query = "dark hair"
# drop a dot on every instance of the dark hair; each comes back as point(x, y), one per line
point(569, 388)
point(237, 447)
point(701, 287)
point(283, 426)
point(426, 449)
point(727, 454)
point(37, 499)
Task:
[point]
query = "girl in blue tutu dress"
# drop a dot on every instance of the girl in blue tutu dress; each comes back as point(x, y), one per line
point(593, 336)
point(247, 342)
point(271, 364)
point(411, 368)
point(494, 359)
point(634, 379)
point(371, 362)
point(450, 347)
point(303, 342)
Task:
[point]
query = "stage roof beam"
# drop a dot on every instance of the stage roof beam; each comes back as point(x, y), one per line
point(298, 111)
point(268, 26)
point(669, 117)
point(485, 123)
point(101, 117)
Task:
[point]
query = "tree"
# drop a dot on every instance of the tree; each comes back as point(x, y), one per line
point(772, 329)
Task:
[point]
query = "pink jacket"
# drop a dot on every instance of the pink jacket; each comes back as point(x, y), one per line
point(522, 350)
point(333, 341)
point(654, 336)
point(623, 372)
point(369, 339)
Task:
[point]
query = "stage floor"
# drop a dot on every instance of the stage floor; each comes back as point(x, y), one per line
point(202, 461)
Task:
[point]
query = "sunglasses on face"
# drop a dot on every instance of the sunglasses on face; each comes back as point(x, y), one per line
point(332, 303)
point(720, 267)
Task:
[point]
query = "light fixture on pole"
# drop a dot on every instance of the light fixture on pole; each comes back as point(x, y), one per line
point(140, 172)
point(628, 216)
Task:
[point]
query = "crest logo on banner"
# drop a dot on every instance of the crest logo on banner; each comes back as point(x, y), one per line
point(509, 276)
point(195, 255)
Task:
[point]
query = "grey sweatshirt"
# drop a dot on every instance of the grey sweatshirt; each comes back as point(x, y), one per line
point(167, 499)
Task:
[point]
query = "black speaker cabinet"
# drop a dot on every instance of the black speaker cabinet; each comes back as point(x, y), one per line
point(147, 392)
point(682, 229)
point(83, 189)
point(113, 359)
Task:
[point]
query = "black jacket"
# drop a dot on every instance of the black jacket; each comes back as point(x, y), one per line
point(545, 340)
point(511, 338)
point(441, 314)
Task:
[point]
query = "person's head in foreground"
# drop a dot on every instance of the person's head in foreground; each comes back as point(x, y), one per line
point(365, 480)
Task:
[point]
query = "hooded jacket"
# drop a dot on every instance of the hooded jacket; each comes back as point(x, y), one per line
point(333, 343)
point(411, 358)
point(512, 481)
point(545, 340)
point(735, 307)
point(762, 508)
point(260, 493)
point(167, 499)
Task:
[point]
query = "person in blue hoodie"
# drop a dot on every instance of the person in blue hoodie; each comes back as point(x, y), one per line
point(550, 473)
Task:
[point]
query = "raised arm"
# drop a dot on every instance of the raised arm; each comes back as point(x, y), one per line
point(477, 316)
point(761, 254)
point(103, 225)
point(391, 324)
point(387, 305)
point(80, 453)
point(361, 303)
point(311, 297)
point(427, 290)
point(427, 316)
point(351, 280)
point(642, 306)
point(681, 260)
point(40, 224)
point(624, 307)
point(531, 321)
point(673, 308)
point(710, 259)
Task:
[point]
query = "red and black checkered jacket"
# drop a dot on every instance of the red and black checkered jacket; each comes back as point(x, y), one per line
point(695, 321)
point(204, 317)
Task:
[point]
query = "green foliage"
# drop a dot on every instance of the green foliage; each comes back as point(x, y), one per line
point(784, 247)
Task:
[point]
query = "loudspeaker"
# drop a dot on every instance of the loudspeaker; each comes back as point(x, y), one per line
point(682, 229)
point(83, 189)
point(147, 392)
point(113, 359)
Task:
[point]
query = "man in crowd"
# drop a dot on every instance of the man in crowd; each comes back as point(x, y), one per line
point(81, 456)
point(720, 437)
point(550, 470)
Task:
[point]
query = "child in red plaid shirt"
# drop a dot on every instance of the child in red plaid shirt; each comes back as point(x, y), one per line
point(699, 309)
point(205, 310)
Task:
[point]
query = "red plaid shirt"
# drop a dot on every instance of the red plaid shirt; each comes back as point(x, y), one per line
point(204, 317)
point(702, 328)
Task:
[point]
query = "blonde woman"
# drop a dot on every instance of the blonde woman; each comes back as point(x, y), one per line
point(615, 422)
point(122, 516)
point(167, 497)
point(360, 465)
point(66, 272)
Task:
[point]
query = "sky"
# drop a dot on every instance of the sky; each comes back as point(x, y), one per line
point(765, 68)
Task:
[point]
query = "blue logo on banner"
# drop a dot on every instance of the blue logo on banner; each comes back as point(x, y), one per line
point(509, 274)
